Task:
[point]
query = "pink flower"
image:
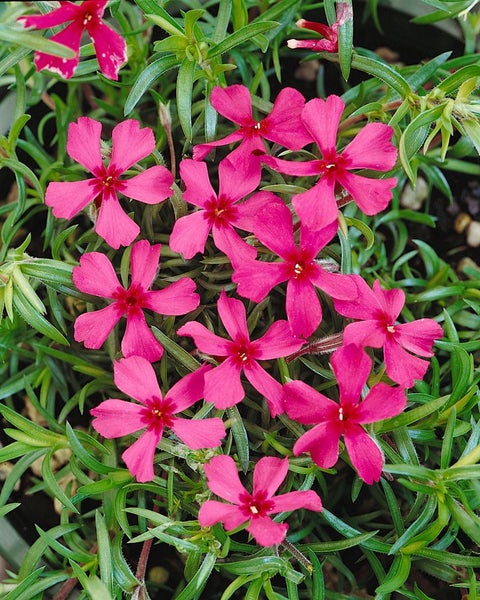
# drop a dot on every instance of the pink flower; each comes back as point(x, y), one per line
point(222, 384)
point(114, 418)
point(370, 149)
point(96, 276)
point(129, 145)
point(283, 125)
point(329, 43)
point(274, 229)
point(110, 47)
point(220, 212)
point(378, 310)
point(254, 508)
point(351, 367)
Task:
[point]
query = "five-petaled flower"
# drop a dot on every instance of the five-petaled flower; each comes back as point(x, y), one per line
point(220, 212)
point(378, 310)
point(129, 145)
point(283, 125)
point(329, 33)
point(370, 149)
point(96, 275)
point(222, 384)
point(274, 229)
point(351, 366)
point(114, 418)
point(256, 507)
point(110, 47)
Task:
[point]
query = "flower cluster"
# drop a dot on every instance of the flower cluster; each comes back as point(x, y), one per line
point(292, 234)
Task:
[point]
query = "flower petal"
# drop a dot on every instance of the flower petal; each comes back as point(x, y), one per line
point(93, 328)
point(365, 304)
point(223, 479)
point(198, 189)
point(116, 418)
point(322, 118)
point(212, 512)
point(297, 499)
point(371, 148)
point(113, 223)
point(277, 342)
point(139, 340)
point(274, 229)
point(364, 453)
point(200, 151)
point(130, 143)
point(110, 47)
point(68, 11)
point(83, 143)
point(369, 333)
point(65, 67)
point(371, 195)
point(223, 386)
point(232, 245)
point(233, 102)
point(335, 285)
point(205, 340)
point(267, 532)
point(317, 208)
point(269, 474)
point(239, 178)
point(199, 433)
point(381, 402)
point(284, 124)
point(255, 279)
point(391, 301)
point(264, 383)
point(190, 233)
point(96, 276)
point(189, 389)
point(322, 443)
point(144, 259)
point(234, 317)
point(139, 457)
point(305, 405)
point(352, 366)
point(136, 378)
point(178, 298)
point(67, 198)
point(151, 186)
point(402, 367)
point(303, 307)
point(418, 336)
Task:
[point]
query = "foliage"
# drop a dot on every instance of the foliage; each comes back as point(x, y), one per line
point(420, 523)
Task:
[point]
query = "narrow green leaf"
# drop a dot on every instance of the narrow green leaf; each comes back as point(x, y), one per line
point(195, 586)
point(52, 483)
point(396, 576)
point(146, 79)
point(104, 551)
point(184, 91)
point(24, 585)
point(178, 353)
point(345, 43)
point(241, 36)
point(382, 71)
point(34, 42)
point(455, 80)
point(240, 436)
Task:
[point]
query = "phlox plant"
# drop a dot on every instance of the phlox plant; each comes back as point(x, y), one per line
point(228, 366)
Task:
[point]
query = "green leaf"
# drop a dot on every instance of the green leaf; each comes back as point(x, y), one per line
point(104, 551)
point(94, 587)
point(345, 43)
point(178, 353)
point(52, 483)
point(146, 79)
point(35, 319)
point(24, 585)
point(165, 21)
point(240, 436)
point(195, 586)
point(363, 228)
point(396, 576)
point(455, 80)
point(384, 72)
point(34, 42)
point(184, 91)
point(241, 36)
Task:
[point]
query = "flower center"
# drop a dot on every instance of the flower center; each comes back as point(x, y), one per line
point(297, 269)
point(391, 328)
point(256, 505)
point(220, 211)
point(158, 413)
point(87, 18)
point(130, 301)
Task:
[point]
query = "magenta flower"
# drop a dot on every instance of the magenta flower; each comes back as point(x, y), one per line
point(378, 310)
point(274, 229)
point(114, 418)
point(220, 212)
point(370, 149)
point(352, 367)
point(254, 508)
point(283, 125)
point(129, 145)
point(222, 384)
point(109, 46)
point(96, 276)
point(329, 43)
